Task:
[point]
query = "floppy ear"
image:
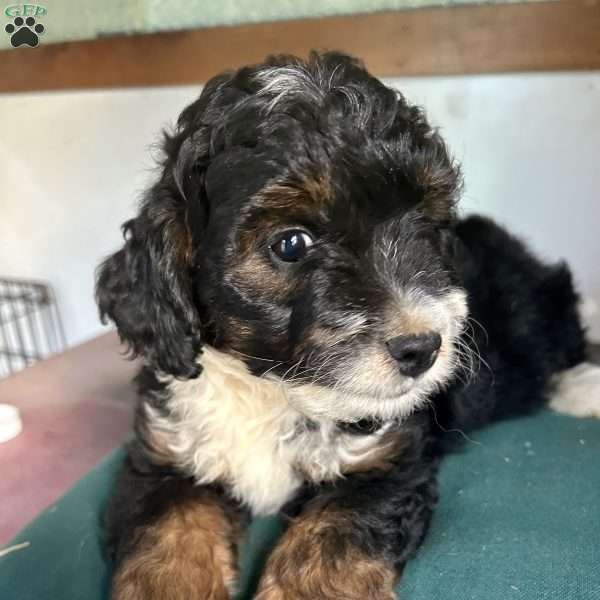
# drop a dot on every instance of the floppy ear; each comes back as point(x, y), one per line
point(145, 287)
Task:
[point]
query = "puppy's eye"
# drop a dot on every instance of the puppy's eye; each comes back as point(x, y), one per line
point(292, 245)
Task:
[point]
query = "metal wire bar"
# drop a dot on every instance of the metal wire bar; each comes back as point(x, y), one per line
point(31, 327)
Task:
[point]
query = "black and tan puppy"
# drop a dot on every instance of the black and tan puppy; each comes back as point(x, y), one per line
point(312, 315)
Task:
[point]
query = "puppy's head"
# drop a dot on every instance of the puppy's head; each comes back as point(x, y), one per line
point(301, 224)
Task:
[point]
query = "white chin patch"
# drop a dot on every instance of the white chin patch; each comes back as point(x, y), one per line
point(319, 402)
point(370, 386)
point(577, 391)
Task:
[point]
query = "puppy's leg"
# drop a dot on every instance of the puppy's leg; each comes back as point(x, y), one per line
point(576, 391)
point(170, 538)
point(352, 541)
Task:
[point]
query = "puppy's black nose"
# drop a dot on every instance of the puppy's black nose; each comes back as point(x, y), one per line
point(415, 353)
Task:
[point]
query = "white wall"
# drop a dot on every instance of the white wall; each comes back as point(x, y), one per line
point(72, 166)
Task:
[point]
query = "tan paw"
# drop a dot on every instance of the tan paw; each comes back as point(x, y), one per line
point(319, 557)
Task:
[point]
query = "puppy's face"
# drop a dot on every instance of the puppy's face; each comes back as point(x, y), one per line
point(301, 225)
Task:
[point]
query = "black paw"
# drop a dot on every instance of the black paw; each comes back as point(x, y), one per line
point(24, 32)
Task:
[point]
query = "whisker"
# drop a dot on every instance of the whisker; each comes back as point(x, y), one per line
point(327, 360)
point(476, 352)
point(240, 353)
point(454, 430)
point(476, 322)
point(294, 366)
point(263, 375)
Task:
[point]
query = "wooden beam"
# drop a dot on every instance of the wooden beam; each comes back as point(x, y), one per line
point(557, 35)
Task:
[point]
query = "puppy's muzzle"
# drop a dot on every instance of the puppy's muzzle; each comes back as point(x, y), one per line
point(415, 353)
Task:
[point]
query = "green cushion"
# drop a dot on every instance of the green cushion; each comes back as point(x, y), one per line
point(519, 518)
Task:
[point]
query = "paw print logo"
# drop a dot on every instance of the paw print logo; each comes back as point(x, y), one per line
point(24, 32)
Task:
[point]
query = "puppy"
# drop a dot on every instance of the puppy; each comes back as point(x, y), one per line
point(312, 317)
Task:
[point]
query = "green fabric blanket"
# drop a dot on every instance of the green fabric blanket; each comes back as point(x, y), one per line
point(518, 518)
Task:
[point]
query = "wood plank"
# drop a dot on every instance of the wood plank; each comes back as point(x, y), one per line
point(562, 35)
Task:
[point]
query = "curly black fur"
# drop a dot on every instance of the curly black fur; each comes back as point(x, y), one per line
point(325, 147)
point(365, 136)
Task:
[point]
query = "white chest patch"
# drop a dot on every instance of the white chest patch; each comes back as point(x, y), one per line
point(231, 426)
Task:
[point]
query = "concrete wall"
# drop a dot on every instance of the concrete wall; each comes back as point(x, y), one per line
point(72, 166)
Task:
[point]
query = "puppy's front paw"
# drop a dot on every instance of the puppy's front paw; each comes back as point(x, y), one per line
point(155, 583)
point(577, 391)
point(275, 591)
point(323, 567)
point(185, 555)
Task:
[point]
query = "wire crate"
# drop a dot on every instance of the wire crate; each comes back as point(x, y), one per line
point(30, 325)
